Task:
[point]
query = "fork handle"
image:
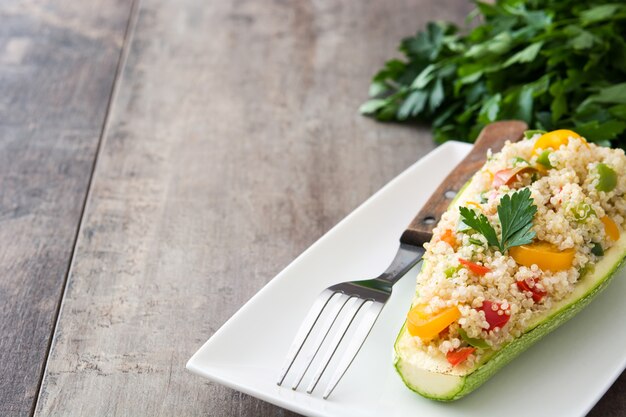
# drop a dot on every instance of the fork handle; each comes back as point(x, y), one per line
point(493, 136)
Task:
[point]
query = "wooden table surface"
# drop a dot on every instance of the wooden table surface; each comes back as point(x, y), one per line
point(160, 162)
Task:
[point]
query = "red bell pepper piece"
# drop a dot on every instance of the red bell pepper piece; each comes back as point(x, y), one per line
point(507, 176)
point(457, 356)
point(495, 318)
point(537, 294)
point(474, 267)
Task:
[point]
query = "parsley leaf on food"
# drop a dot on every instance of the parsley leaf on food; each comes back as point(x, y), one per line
point(515, 212)
point(481, 224)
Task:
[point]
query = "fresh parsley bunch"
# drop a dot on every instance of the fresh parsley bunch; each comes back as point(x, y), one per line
point(551, 63)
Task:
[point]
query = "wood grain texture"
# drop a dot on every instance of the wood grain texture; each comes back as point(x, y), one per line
point(57, 66)
point(491, 138)
point(234, 144)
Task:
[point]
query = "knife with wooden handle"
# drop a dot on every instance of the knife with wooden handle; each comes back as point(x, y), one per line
point(493, 136)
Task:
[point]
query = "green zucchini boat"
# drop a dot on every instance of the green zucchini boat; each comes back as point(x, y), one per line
point(535, 235)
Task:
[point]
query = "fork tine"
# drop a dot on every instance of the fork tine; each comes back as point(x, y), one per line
point(352, 311)
point(304, 331)
point(331, 317)
point(365, 326)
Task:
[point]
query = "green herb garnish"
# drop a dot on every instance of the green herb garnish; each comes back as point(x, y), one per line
point(479, 343)
point(582, 211)
point(607, 178)
point(451, 271)
point(597, 249)
point(515, 212)
point(517, 161)
point(530, 133)
point(551, 63)
point(544, 159)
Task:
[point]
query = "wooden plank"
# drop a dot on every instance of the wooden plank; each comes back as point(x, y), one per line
point(234, 144)
point(58, 61)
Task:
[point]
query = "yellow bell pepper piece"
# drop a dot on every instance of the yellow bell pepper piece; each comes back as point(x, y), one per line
point(555, 139)
point(545, 255)
point(475, 204)
point(448, 237)
point(610, 228)
point(427, 326)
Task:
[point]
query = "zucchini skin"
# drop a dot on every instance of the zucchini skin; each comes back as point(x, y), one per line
point(509, 352)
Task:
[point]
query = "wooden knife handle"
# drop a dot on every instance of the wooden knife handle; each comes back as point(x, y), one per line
point(491, 137)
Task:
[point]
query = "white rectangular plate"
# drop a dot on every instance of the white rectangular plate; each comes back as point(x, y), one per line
point(564, 374)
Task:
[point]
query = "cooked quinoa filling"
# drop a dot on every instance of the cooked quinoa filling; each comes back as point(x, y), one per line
point(573, 199)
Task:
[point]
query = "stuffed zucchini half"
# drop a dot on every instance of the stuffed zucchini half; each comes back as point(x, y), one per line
point(535, 235)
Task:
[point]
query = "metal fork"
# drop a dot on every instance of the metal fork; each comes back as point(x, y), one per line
point(359, 303)
point(353, 296)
